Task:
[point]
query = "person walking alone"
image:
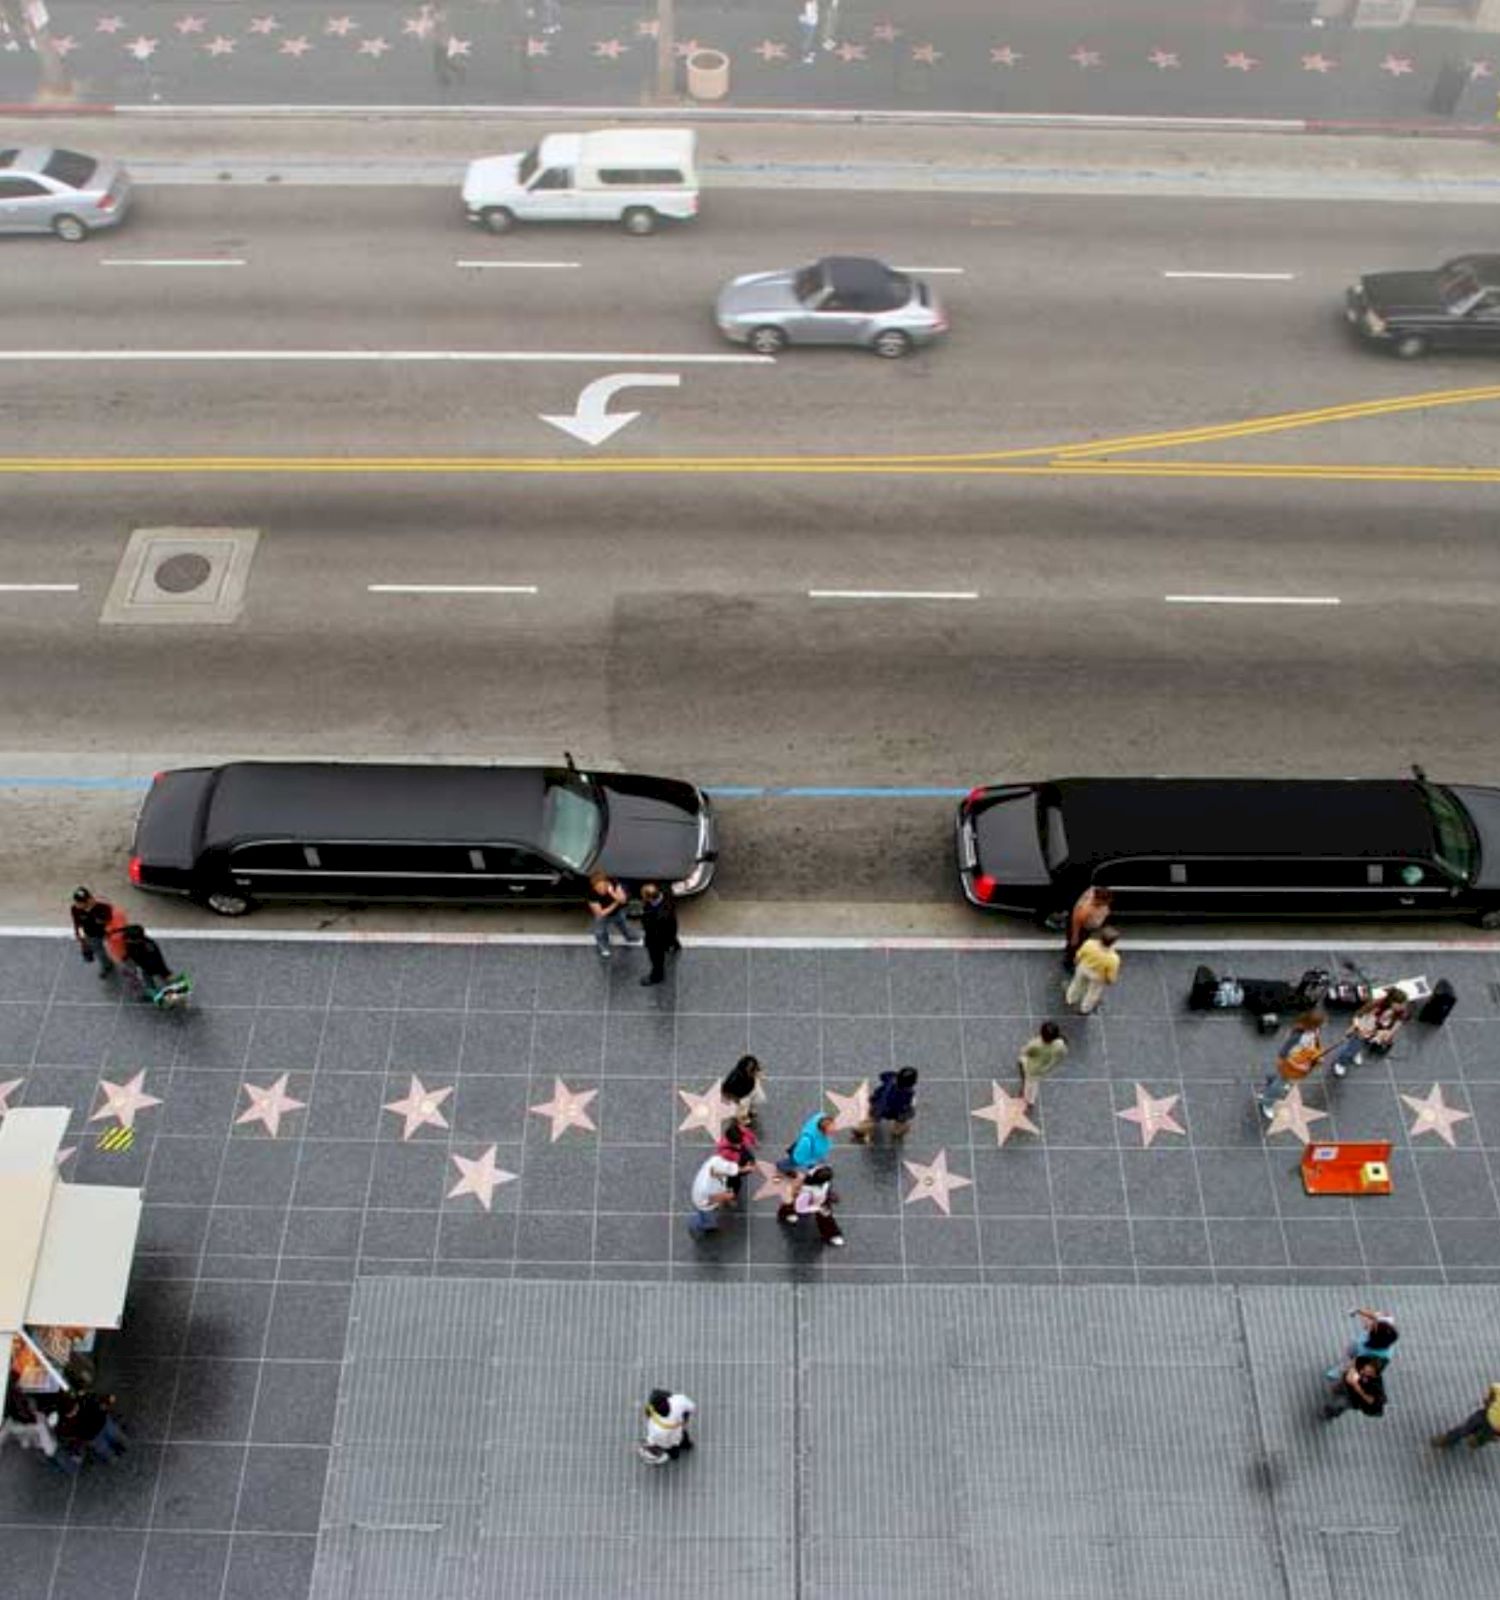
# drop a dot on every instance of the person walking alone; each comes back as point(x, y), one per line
point(659, 929)
point(1479, 1428)
point(92, 919)
point(1300, 1052)
point(606, 902)
point(1041, 1055)
point(807, 21)
point(893, 1100)
point(1089, 914)
point(667, 1418)
point(1096, 968)
point(744, 1088)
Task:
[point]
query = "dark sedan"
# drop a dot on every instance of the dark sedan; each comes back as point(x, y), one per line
point(234, 835)
point(1456, 307)
point(1208, 847)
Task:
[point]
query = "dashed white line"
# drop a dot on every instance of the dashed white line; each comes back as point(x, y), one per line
point(452, 588)
point(1251, 599)
point(892, 594)
point(38, 588)
point(136, 261)
point(516, 266)
point(935, 272)
point(1240, 277)
point(579, 357)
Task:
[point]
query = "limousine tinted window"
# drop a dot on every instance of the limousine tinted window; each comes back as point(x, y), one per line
point(572, 820)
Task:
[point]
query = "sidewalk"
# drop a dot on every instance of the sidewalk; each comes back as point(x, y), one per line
point(257, 1239)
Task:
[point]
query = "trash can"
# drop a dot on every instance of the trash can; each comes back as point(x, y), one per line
point(708, 74)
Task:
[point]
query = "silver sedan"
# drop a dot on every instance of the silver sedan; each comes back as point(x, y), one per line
point(61, 192)
point(849, 300)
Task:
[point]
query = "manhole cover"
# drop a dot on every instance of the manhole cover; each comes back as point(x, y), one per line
point(183, 573)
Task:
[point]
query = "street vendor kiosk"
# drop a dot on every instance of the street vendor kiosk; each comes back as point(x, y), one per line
point(65, 1252)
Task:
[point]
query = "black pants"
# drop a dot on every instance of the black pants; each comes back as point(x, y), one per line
point(658, 953)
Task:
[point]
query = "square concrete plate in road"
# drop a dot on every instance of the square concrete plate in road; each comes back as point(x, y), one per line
point(182, 575)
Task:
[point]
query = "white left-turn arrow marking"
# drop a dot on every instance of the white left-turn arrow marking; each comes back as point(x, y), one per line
point(591, 421)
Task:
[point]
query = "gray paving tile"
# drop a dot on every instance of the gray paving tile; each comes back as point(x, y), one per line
point(334, 1172)
point(268, 1568)
point(707, 1047)
point(1141, 1048)
point(855, 1048)
point(308, 1322)
point(555, 1236)
point(1236, 1183)
point(1086, 1183)
point(407, 1176)
point(783, 982)
point(503, 978)
point(1011, 1182)
point(634, 1178)
point(1317, 1244)
point(257, 1172)
point(713, 981)
point(32, 966)
point(570, 978)
point(284, 1039)
point(219, 1039)
point(786, 1046)
point(322, 1232)
point(923, 983)
point(628, 1111)
point(96, 1565)
point(244, 1230)
point(368, 976)
point(20, 1028)
point(1236, 1243)
point(1463, 1243)
point(854, 983)
point(1161, 1181)
point(399, 1235)
point(1456, 1183)
point(1169, 1242)
point(640, 1046)
point(214, 1401)
point(1073, 1113)
point(355, 1041)
point(74, 1087)
point(204, 1104)
point(990, 986)
point(497, 1042)
point(120, 1498)
point(183, 1566)
point(229, 1320)
point(157, 1316)
point(76, 1036)
point(296, 975)
point(435, 977)
point(632, 1238)
point(474, 1239)
point(1095, 1242)
point(563, 1046)
point(428, 1043)
point(283, 1489)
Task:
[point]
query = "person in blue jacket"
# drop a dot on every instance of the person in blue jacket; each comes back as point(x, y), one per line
point(810, 1148)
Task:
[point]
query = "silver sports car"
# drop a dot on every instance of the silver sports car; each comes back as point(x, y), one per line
point(838, 300)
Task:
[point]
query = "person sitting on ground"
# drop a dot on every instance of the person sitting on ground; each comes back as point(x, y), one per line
point(1373, 1027)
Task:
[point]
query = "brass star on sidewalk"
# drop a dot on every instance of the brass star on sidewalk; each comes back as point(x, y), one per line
point(1151, 1115)
point(6, 1091)
point(1007, 1112)
point(1292, 1116)
point(268, 1106)
point(934, 1182)
point(850, 1110)
point(709, 1111)
point(420, 1107)
point(481, 1178)
point(1434, 1114)
point(567, 1109)
point(123, 1100)
point(774, 1185)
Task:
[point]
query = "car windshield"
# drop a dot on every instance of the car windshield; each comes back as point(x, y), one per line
point(1457, 847)
point(1461, 291)
point(529, 164)
point(67, 166)
point(809, 284)
point(572, 820)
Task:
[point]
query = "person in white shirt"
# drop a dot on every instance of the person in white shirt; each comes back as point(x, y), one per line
point(712, 1191)
point(667, 1418)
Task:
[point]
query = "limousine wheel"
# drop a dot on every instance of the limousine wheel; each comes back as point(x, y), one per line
point(497, 219)
point(639, 220)
point(1410, 346)
point(228, 904)
point(1491, 918)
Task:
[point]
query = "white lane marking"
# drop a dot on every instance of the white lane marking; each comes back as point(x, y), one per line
point(1251, 599)
point(492, 266)
point(38, 588)
point(593, 357)
point(452, 588)
point(141, 261)
point(892, 594)
point(1243, 277)
point(933, 272)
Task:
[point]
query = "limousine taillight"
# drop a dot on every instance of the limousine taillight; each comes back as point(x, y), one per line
point(135, 871)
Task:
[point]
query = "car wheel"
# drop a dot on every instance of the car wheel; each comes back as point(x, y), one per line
point(892, 344)
point(766, 341)
point(497, 219)
point(1410, 346)
point(69, 229)
point(639, 220)
point(227, 903)
point(1490, 919)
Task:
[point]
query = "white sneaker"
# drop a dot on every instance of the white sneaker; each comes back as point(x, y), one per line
point(838, 1244)
point(1340, 1069)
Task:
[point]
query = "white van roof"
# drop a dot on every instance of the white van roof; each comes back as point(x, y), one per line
point(632, 146)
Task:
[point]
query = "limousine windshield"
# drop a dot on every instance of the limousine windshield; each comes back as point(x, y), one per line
point(1457, 847)
point(572, 820)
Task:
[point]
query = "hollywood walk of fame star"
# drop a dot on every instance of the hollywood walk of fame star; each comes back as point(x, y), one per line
point(417, 27)
point(885, 32)
point(141, 48)
point(12, 45)
point(928, 54)
point(538, 47)
point(420, 1107)
point(109, 24)
point(709, 1111)
point(1239, 61)
point(373, 47)
point(1434, 1114)
point(65, 1152)
point(567, 1108)
point(220, 46)
point(611, 49)
point(1004, 56)
point(123, 1100)
point(297, 47)
point(341, 27)
point(268, 1106)
point(6, 1091)
point(934, 1182)
point(774, 1185)
point(1318, 63)
point(850, 1110)
point(1152, 1115)
point(480, 1178)
point(768, 50)
point(1290, 1115)
point(647, 28)
point(186, 25)
point(66, 45)
point(686, 47)
point(459, 47)
point(851, 52)
point(1481, 69)
point(1397, 66)
point(264, 25)
point(1008, 1112)
point(1163, 59)
point(1086, 58)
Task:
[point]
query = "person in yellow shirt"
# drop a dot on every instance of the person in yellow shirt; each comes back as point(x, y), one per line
point(1480, 1427)
point(1095, 968)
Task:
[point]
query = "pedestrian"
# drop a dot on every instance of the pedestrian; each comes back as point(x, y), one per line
point(446, 62)
point(711, 1193)
point(85, 1421)
point(1040, 1055)
point(744, 1088)
point(1095, 968)
point(606, 902)
point(29, 1425)
point(667, 1418)
point(807, 21)
point(1374, 1339)
point(1358, 1387)
point(737, 1143)
point(92, 919)
point(1089, 914)
point(831, 23)
point(892, 1100)
point(145, 966)
point(1373, 1027)
point(659, 929)
point(1300, 1052)
point(815, 1198)
point(811, 1146)
point(1480, 1427)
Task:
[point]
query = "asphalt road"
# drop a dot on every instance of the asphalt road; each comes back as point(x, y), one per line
point(672, 625)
